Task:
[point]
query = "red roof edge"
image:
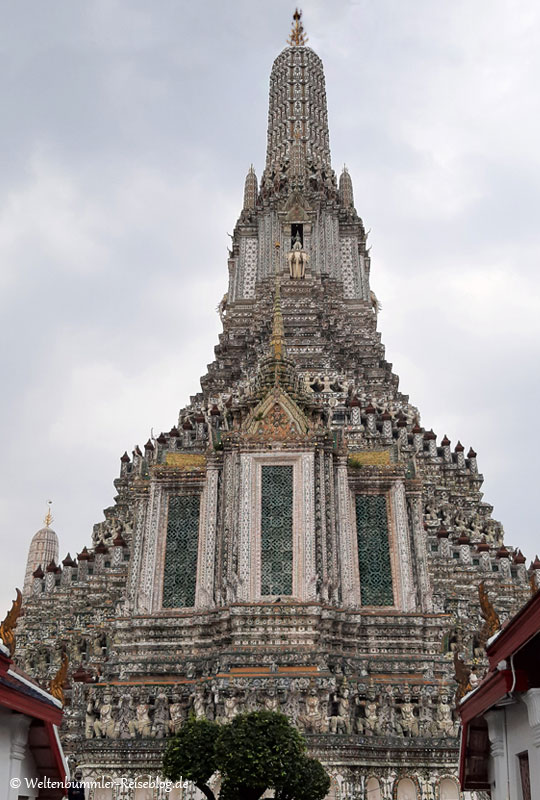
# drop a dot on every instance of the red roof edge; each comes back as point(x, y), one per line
point(494, 687)
point(522, 627)
point(57, 753)
point(17, 701)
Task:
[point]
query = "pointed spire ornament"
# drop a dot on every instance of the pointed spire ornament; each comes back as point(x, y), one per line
point(56, 686)
point(48, 517)
point(492, 622)
point(250, 190)
point(346, 189)
point(297, 36)
point(10, 623)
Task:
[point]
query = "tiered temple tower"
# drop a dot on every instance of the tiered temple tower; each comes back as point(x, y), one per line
point(297, 541)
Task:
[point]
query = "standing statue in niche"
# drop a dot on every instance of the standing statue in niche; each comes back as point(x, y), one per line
point(90, 719)
point(408, 722)
point(312, 719)
point(297, 259)
point(105, 726)
point(339, 720)
point(142, 724)
point(444, 721)
point(177, 713)
point(271, 701)
point(161, 726)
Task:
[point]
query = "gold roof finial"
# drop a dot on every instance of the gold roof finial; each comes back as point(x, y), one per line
point(297, 37)
point(10, 623)
point(278, 331)
point(492, 622)
point(48, 517)
point(56, 686)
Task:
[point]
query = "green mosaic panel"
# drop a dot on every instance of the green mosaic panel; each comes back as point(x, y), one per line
point(373, 550)
point(180, 572)
point(276, 530)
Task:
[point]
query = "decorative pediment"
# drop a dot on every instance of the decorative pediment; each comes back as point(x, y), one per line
point(277, 418)
point(297, 208)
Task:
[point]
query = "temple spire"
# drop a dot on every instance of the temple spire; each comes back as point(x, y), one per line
point(346, 189)
point(297, 104)
point(250, 190)
point(297, 37)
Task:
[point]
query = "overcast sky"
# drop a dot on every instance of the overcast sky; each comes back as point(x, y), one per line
point(127, 130)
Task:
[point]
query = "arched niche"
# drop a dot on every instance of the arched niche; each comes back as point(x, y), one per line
point(373, 789)
point(448, 789)
point(104, 792)
point(406, 790)
point(143, 792)
point(333, 792)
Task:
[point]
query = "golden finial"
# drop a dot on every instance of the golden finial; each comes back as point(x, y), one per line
point(10, 623)
point(491, 617)
point(297, 37)
point(48, 517)
point(462, 675)
point(56, 686)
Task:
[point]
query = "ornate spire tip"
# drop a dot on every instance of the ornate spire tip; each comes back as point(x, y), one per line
point(297, 37)
point(48, 517)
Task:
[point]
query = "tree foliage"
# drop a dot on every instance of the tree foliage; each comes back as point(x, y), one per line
point(190, 755)
point(252, 753)
point(306, 781)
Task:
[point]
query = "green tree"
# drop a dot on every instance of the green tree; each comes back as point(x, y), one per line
point(191, 754)
point(253, 753)
point(308, 780)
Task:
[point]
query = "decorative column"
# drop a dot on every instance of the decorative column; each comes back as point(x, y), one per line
point(404, 565)
point(532, 701)
point(348, 548)
point(204, 593)
point(141, 576)
point(419, 539)
point(246, 588)
point(305, 530)
point(496, 722)
point(19, 724)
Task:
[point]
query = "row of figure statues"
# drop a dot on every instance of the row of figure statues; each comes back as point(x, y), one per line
point(475, 526)
point(315, 711)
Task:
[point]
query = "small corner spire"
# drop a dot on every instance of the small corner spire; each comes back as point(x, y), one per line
point(48, 516)
point(297, 37)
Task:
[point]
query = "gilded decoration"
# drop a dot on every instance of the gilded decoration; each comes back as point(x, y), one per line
point(462, 675)
point(372, 458)
point(10, 623)
point(492, 623)
point(297, 36)
point(185, 461)
point(57, 684)
point(277, 418)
